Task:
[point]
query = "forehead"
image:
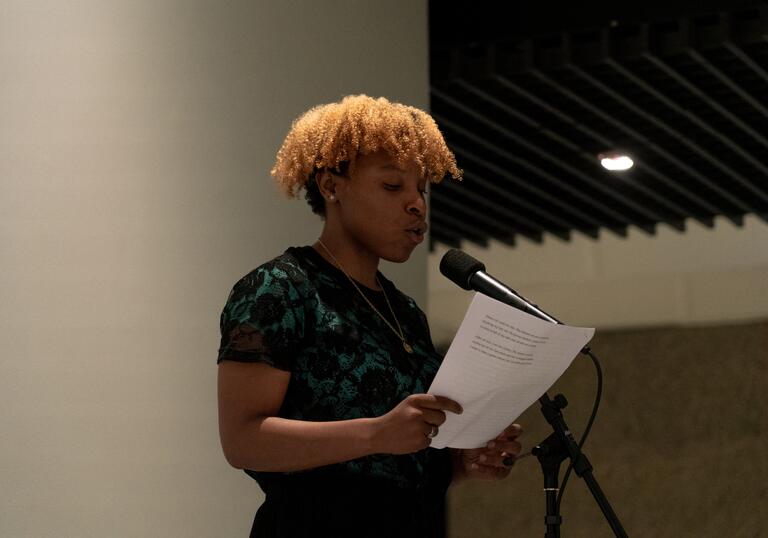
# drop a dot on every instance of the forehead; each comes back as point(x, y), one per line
point(382, 162)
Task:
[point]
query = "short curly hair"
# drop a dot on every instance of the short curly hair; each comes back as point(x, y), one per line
point(331, 136)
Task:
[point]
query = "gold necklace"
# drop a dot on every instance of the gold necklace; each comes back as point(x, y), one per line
point(399, 331)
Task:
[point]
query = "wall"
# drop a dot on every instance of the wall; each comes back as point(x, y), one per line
point(135, 148)
point(675, 447)
point(682, 333)
point(701, 276)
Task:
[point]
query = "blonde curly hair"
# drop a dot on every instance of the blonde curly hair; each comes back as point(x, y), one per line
point(331, 136)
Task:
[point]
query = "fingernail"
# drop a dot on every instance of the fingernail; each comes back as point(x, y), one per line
point(483, 458)
point(474, 466)
point(491, 444)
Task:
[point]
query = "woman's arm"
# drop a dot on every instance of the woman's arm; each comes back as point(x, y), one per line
point(253, 437)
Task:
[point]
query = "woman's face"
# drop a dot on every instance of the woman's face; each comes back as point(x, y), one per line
point(381, 207)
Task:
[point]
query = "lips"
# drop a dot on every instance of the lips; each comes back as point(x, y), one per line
point(419, 228)
point(417, 231)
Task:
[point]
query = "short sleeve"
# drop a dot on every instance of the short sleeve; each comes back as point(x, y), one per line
point(263, 319)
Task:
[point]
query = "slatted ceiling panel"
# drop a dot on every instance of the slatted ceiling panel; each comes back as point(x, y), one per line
point(496, 214)
point(538, 200)
point(504, 207)
point(688, 98)
point(558, 133)
point(615, 138)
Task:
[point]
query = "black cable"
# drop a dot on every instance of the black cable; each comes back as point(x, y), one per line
point(591, 420)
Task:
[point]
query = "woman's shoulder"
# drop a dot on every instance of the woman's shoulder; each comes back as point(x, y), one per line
point(288, 270)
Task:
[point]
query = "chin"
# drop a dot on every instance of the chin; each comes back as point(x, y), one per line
point(399, 257)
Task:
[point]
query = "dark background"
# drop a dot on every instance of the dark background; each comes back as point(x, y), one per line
point(679, 440)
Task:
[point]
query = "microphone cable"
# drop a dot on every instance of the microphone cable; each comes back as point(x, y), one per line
point(598, 396)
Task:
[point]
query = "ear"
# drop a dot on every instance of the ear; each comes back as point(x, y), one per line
point(327, 182)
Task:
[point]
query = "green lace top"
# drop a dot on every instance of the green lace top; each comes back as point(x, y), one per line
point(300, 314)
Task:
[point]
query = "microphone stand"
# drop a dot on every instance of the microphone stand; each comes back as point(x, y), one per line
point(469, 273)
point(560, 444)
point(552, 452)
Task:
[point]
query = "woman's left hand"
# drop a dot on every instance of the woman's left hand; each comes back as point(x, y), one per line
point(491, 462)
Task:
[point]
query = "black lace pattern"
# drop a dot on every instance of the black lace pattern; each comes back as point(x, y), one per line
point(300, 314)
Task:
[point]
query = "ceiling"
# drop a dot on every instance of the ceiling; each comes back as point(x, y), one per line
point(528, 97)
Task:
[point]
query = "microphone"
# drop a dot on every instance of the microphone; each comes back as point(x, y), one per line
point(469, 273)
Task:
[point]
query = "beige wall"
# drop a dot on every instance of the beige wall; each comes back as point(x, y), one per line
point(135, 144)
point(702, 276)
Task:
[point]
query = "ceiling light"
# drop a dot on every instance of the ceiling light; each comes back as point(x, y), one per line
point(615, 162)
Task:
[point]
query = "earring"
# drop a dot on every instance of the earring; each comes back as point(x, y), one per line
point(331, 198)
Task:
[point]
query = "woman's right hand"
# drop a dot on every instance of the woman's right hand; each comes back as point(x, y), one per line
point(406, 428)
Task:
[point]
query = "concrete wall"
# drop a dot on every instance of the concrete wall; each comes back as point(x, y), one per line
point(135, 145)
point(675, 446)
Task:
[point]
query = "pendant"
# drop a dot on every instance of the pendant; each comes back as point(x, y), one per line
point(407, 347)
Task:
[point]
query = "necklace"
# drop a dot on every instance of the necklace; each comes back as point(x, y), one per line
point(399, 331)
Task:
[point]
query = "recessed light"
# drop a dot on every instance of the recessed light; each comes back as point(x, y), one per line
point(615, 162)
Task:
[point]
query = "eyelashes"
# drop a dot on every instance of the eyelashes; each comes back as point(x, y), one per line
point(395, 187)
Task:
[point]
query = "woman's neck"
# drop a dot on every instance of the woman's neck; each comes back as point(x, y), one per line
point(357, 264)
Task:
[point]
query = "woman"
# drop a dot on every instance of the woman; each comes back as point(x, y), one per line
point(324, 363)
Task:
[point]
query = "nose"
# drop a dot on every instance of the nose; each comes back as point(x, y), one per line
point(417, 205)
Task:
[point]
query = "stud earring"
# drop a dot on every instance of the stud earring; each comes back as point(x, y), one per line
point(331, 198)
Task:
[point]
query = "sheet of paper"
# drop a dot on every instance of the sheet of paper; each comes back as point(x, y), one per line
point(500, 362)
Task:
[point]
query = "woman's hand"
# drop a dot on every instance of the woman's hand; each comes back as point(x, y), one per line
point(410, 426)
point(491, 462)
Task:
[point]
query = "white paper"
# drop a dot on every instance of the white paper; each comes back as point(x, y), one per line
point(500, 362)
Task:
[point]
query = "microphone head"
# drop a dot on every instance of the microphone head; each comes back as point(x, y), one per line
point(459, 267)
